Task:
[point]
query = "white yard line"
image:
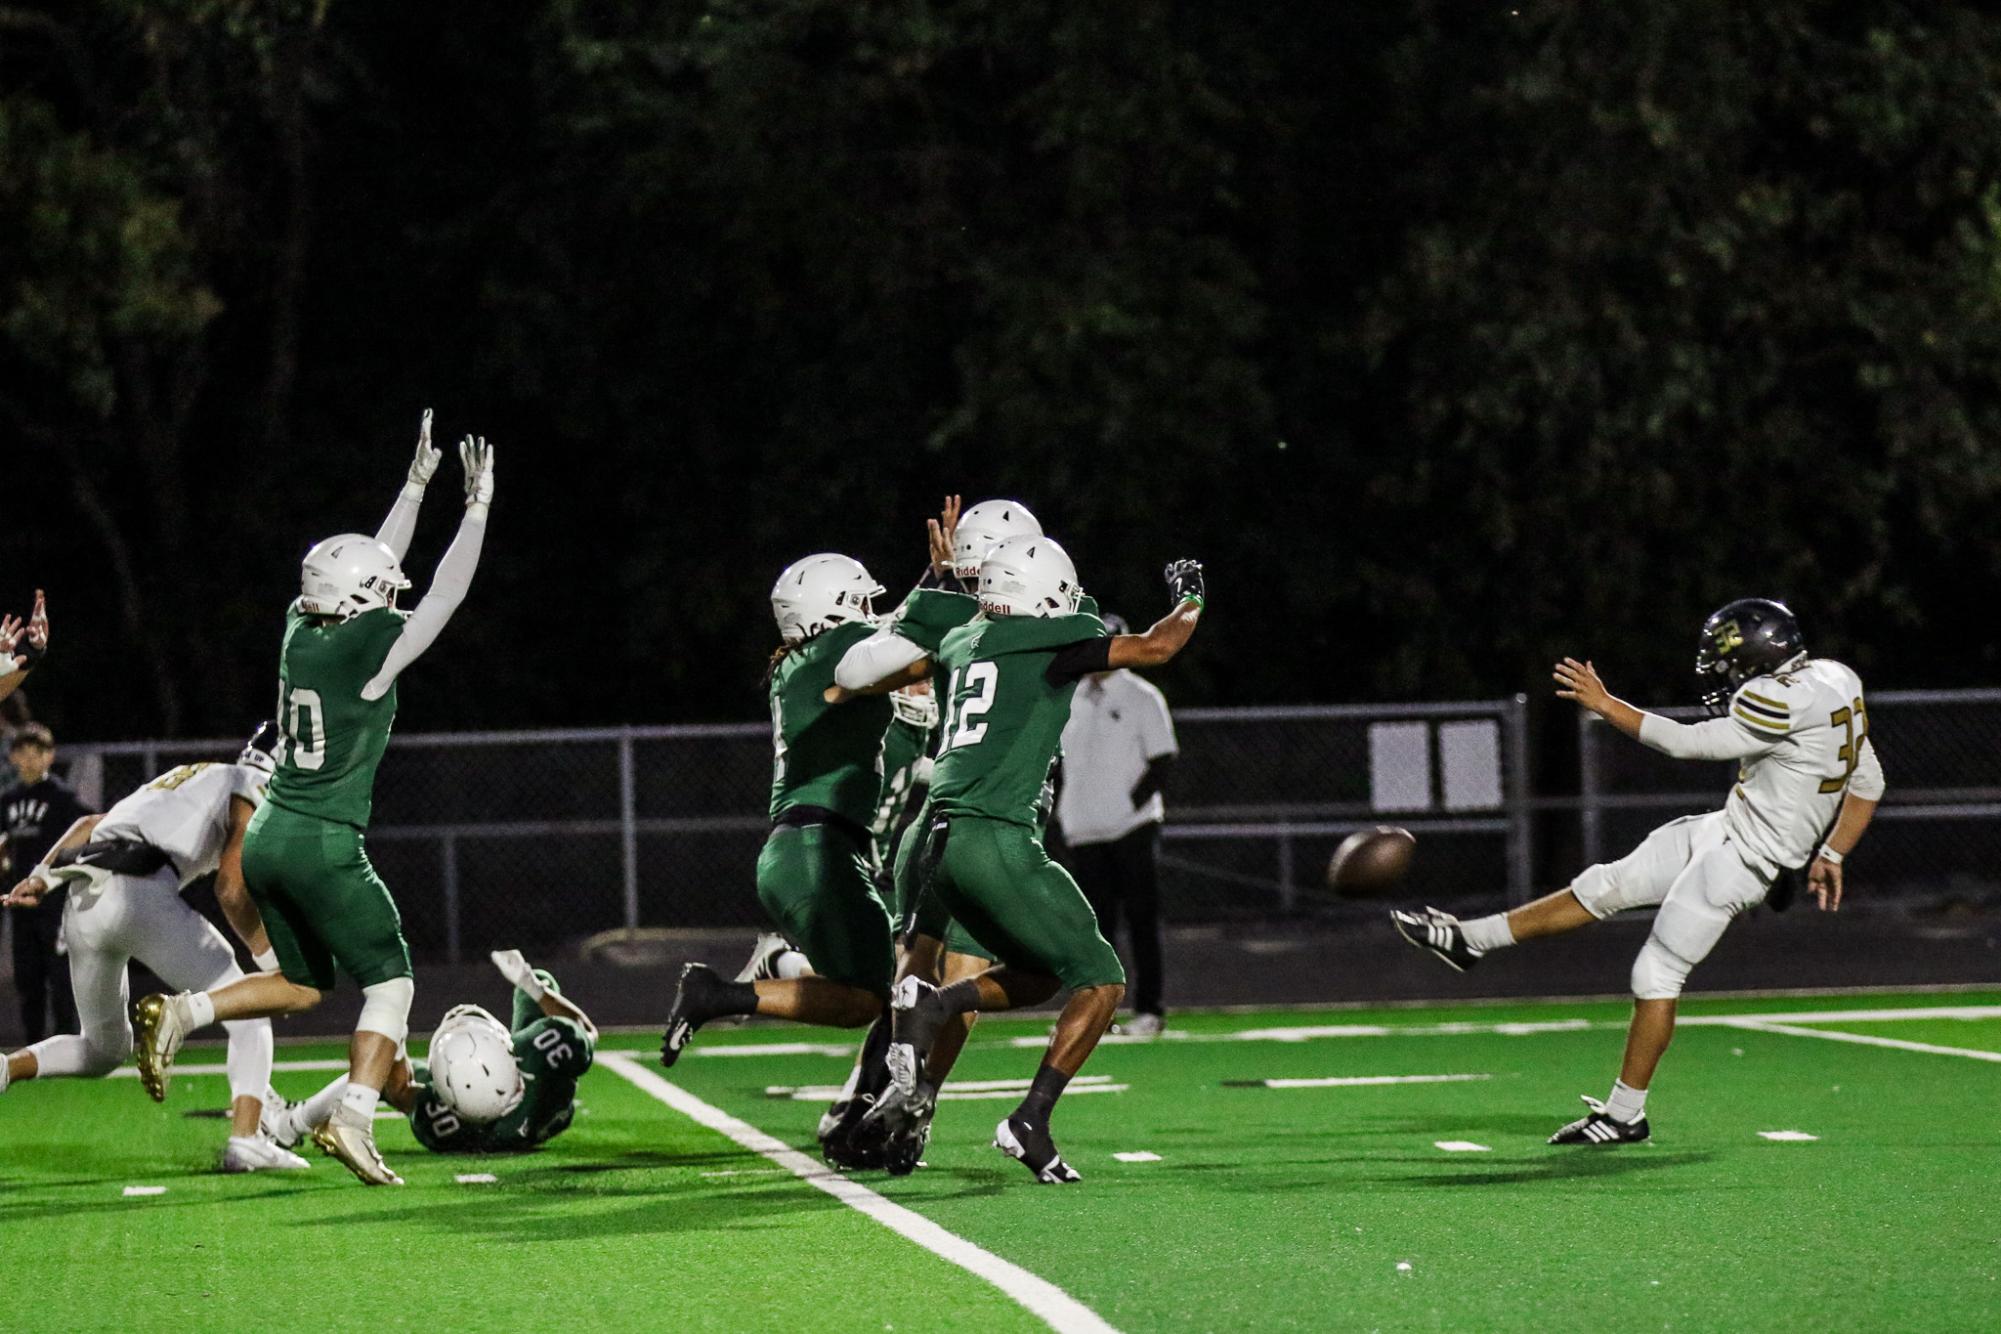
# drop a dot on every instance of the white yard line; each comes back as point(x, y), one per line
point(1044, 1299)
point(1864, 1040)
point(1366, 1081)
point(277, 1068)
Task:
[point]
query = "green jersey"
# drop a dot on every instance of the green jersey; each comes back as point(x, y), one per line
point(333, 739)
point(553, 1053)
point(826, 755)
point(1004, 715)
point(904, 748)
point(929, 614)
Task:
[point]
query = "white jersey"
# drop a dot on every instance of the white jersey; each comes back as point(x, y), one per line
point(185, 814)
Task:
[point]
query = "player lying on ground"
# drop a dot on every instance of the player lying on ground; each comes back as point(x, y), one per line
point(125, 870)
point(483, 1088)
point(303, 859)
point(930, 945)
point(1808, 783)
point(1012, 672)
point(22, 644)
point(813, 875)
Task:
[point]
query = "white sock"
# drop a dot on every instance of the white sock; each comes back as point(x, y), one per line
point(1626, 1104)
point(249, 1058)
point(359, 1101)
point(1487, 933)
point(201, 1010)
point(792, 965)
point(315, 1110)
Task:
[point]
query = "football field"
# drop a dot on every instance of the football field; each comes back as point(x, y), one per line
point(1816, 1162)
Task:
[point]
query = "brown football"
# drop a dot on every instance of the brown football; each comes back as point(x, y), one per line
point(1371, 861)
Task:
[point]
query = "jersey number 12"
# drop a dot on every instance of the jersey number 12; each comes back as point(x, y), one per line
point(960, 729)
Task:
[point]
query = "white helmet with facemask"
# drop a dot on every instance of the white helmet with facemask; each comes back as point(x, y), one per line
point(1029, 576)
point(983, 527)
point(820, 592)
point(347, 575)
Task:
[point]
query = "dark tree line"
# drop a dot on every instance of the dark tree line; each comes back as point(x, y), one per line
point(1452, 336)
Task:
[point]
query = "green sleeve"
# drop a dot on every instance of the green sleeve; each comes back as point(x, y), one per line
point(929, 614)
point(554, 1047)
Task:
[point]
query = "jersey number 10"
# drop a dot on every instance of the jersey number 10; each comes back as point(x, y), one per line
point(302, 729)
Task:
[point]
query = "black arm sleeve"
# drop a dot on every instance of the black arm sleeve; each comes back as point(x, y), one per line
point(1074, 662)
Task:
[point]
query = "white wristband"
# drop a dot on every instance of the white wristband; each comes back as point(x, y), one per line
point(1829, 854)
point(267, 962)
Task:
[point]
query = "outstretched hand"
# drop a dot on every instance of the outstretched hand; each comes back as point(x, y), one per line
point(1185, 582)
point(425, 465)
point(1579, 681)
point(22, 643)
point(476, 457)
point(27, 894)
point(942, 531)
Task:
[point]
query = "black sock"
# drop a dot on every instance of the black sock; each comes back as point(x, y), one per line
point(732, 998)
point(962, 997)
point(1042, 1095)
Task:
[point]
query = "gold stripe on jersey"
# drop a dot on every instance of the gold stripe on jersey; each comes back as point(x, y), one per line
point(1776, 706)
point(1762, 726)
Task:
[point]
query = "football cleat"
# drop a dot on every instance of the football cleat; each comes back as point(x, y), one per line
point(351, 1139)
point(763, 963)
point(1030, 1145)
point(701, 996)
point(1143, 1026)
point(1599, 1128)
point(1437, 933)
point(915, 1015)
point(901, 1126)
point(161, 1024)
point(259, 1154)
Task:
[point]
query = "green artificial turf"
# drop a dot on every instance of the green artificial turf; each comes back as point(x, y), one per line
point(1266, 1208)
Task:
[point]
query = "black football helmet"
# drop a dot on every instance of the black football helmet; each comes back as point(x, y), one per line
point(261, 751)
point(1740, 640)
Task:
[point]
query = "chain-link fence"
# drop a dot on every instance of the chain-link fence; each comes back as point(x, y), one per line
point(1936, 837)
point(538, 839)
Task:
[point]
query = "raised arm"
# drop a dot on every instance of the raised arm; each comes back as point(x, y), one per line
point(555, 1004)
point(881, 656)
point(1171, 633)
point(453, 577)
point(22, 645)
point(401, 525)
point(1713, 739)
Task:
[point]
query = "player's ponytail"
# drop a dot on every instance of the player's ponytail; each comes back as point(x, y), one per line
point(778, 655)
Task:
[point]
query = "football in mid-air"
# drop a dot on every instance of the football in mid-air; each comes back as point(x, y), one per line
point(1371, 861)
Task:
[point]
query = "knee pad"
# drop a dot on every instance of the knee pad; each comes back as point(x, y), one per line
point(385, 1008)
point(1659, 973)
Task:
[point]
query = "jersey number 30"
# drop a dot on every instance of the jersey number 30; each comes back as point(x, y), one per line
point(980, 679)
point(303, 729)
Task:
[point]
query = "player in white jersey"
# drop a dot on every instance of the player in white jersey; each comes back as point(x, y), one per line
point(124, 871)
point(1807, 786)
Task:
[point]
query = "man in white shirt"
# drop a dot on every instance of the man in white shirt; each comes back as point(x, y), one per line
point(1117, 748)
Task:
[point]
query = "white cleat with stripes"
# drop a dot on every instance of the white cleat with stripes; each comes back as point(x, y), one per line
point(1436, 933)
point(1598, 1128)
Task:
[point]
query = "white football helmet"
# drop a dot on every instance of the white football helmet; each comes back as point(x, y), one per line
point(347, 575)
point(916, 705)
point(471, 1064)
point(985, 525)
point(1029, 576)
point(819, 592)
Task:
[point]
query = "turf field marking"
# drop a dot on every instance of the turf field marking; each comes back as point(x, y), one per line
point(1788, 1136)
point(1865, 1040)
point(989, 1095)
point(477, 1178)
point(277, 1068)
point(1139, 1156)
point(820, 1092)
point(1350, 1081)
point(774, 1049)
point(1056, 1307)
point(1460, 1146)
point(131, 1191)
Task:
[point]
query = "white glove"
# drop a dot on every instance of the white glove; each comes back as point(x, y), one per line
point(425, 465)
point(476, 456)
point(516, 970)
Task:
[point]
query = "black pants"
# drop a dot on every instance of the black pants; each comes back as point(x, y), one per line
point(1122, 878)
point(41, 976)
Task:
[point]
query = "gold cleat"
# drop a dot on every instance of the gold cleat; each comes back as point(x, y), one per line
point(355, 1147)
point(158, 1036)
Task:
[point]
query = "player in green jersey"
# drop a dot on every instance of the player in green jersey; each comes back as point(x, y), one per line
point(813, 875)
point(325, 908)
point(1012, 672)
point(520, 1094)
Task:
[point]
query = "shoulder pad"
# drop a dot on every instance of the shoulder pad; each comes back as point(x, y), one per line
point(1765, 705)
